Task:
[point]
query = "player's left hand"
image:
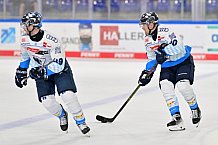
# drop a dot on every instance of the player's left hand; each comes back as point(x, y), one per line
point(37, 73)
point(144, 78)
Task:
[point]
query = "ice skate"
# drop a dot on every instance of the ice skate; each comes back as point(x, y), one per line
point(84, 128)
point(64, 121)
point(196, 116)
point(176, 124)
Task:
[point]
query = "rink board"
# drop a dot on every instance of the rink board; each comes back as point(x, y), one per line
point(113, 39)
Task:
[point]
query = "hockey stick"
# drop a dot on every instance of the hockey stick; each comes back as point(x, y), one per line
point(43, 66)
point(110, 120)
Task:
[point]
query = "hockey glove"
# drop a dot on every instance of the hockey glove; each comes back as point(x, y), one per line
point(162, 46)
point(21, 73)
point(37, 73)
point(144, 78)
point(161, 55)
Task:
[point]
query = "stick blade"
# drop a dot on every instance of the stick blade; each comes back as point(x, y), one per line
point(103, 119)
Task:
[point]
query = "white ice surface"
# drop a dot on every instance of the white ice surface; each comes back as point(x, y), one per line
point(103, 86)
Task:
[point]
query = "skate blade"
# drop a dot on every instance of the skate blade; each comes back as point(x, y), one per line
point(176, 128)
point(181, 129)
point(66, 131)
point(197, 124)
point(87, 134)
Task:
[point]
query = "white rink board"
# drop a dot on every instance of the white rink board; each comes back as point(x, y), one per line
point(115, 37)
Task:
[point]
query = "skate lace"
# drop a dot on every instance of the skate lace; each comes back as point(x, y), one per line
point(176, 117)
point(82, 126)
point(195, 114)
point(63, 120)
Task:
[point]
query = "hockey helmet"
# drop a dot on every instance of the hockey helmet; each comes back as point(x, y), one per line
point(32, 18)
point(149, 17)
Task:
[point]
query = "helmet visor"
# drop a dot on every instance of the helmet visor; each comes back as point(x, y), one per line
point(148, 20)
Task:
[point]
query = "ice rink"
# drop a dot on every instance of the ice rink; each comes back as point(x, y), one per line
point(103, 86)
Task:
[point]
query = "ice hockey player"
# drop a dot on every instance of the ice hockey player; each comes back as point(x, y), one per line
point(177, 68)
point(42, 53)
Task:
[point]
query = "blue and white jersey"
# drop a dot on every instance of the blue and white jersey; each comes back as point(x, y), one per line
point(175, 50)
point(36, 54)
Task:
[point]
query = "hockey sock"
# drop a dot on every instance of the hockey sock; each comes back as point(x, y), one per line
point(187, 92)
point(52, 105)
point(74, 107)
point(168, 91)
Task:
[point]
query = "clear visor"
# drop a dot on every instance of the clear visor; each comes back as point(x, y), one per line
point(148, 21)
point(23, 28)
point(141, 24)
point(26, 23)
point(23, 25)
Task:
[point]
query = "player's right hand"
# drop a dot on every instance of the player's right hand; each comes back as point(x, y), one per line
point(21, 73)
point(37, 73)
point(161, 55)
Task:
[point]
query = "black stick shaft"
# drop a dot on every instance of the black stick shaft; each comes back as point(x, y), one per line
point(133, 93)
point(104, 119)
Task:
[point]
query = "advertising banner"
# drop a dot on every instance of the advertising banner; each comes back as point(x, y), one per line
point(10, 34)
point(87, 39)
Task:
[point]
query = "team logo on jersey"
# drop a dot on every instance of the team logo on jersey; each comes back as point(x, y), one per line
point(8, 35)
point(109, 35)
point(163, 29)
point(52, 38)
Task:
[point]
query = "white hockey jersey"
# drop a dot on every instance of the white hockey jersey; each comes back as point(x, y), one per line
point(47, 52)
point(176, 52)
